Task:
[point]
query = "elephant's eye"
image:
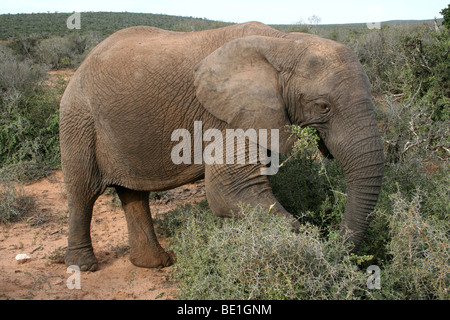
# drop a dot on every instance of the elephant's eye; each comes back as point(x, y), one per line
point(324, 108)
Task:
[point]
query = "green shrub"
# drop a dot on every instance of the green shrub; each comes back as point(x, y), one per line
point(309, 186)
point(409, 62)
point(24, 171)
point(24, 45)
point(446, 14)
point(14, 203)
point(29, 112)
point(53, 51)
point(420, 250)
point(17, 77)
point(29, 129)
point(428, 70)
point(29, 123)
point(258, 257)
point(168, 224)
point(416, 149)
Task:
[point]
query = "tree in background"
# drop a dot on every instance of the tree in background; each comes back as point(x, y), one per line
point(446, 14)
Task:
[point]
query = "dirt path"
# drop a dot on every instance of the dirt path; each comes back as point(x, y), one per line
point(43, 237)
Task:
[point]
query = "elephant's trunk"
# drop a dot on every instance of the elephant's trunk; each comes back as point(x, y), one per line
point(361, 154)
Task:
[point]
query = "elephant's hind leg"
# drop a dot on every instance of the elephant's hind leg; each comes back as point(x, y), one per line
point(145, 249)
point(79, 251)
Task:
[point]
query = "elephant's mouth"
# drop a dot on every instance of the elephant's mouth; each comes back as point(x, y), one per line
point(324, 150)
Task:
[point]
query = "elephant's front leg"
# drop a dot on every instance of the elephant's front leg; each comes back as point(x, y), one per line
point(145, 249)
point(227, 185)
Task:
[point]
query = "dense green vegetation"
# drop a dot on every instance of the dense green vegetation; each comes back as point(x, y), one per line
point(45, 25)
point(258, 257)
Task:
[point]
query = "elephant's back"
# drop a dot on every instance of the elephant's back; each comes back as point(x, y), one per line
point(154, 61)
point(150, 45)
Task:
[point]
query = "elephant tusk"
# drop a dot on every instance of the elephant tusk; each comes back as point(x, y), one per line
point(271, 207)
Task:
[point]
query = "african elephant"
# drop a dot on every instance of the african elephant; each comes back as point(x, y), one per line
point(135, 88)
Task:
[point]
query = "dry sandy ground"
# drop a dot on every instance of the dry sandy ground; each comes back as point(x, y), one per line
point(43, 237)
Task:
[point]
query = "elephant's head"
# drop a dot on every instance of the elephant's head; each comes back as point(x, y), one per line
point(263, 82)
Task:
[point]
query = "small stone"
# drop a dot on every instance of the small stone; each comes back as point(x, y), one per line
point(22, 258)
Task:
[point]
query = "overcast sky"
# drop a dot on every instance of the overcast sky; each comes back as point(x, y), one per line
point(266, 11)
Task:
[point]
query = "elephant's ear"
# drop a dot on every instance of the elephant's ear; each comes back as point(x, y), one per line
point(238, 85)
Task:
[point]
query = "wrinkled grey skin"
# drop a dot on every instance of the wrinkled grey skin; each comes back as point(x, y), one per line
point(140, 84)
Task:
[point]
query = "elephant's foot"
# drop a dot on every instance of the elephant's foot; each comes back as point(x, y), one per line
point(84, 258)
point(151, 259)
